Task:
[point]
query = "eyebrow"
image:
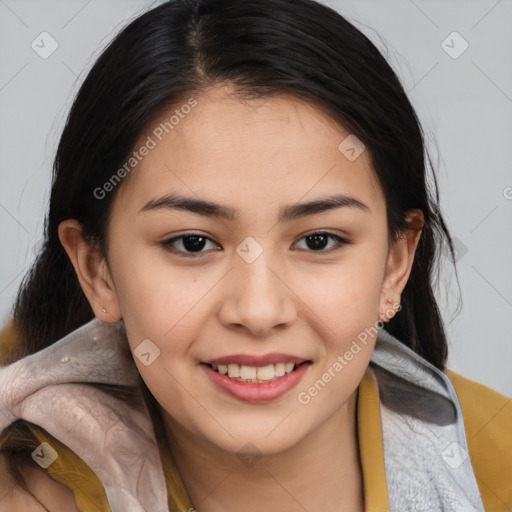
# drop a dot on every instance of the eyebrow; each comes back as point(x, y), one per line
point(286, 213)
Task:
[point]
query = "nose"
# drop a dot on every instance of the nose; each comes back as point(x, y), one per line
point(257, 297)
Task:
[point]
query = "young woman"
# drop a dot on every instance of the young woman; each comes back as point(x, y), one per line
point(233, 307)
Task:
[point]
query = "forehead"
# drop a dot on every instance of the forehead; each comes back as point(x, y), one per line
point(273, 150)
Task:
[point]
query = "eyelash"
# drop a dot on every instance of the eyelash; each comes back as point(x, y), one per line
point(167, 244)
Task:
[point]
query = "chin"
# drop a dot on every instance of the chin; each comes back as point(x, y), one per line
point(256, 442)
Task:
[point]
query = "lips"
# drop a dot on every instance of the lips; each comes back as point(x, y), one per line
point(260, 382)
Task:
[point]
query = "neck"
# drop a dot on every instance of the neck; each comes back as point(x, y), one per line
point(321, 472)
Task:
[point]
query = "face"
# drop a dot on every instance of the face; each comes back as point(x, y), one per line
point(257, 282)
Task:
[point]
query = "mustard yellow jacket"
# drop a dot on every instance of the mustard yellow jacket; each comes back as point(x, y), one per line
point(487, 417)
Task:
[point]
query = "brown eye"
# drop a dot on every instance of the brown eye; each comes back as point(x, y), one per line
point(317, 242)
point(190, 244)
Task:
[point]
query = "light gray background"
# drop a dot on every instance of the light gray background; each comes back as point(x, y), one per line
point(464, 104)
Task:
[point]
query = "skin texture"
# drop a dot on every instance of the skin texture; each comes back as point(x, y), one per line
point(255, 156)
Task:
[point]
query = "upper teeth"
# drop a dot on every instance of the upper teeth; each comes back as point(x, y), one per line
point(255, 373)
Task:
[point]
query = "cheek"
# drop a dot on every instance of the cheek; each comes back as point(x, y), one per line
point(345, 296)
point(346, 301)
point(162, 305)
point(154, 295)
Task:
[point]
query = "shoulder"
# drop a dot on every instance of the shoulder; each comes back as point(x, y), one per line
point(487, 417)
point(45, 494)
point(8, 339)
point(482, 407)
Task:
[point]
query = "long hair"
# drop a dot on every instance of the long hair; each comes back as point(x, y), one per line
point(299, 48)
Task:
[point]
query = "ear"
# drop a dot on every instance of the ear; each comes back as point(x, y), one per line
point(399, 265)
point(92, 271)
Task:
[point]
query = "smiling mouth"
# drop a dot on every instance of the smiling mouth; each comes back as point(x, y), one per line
point(255, 374)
